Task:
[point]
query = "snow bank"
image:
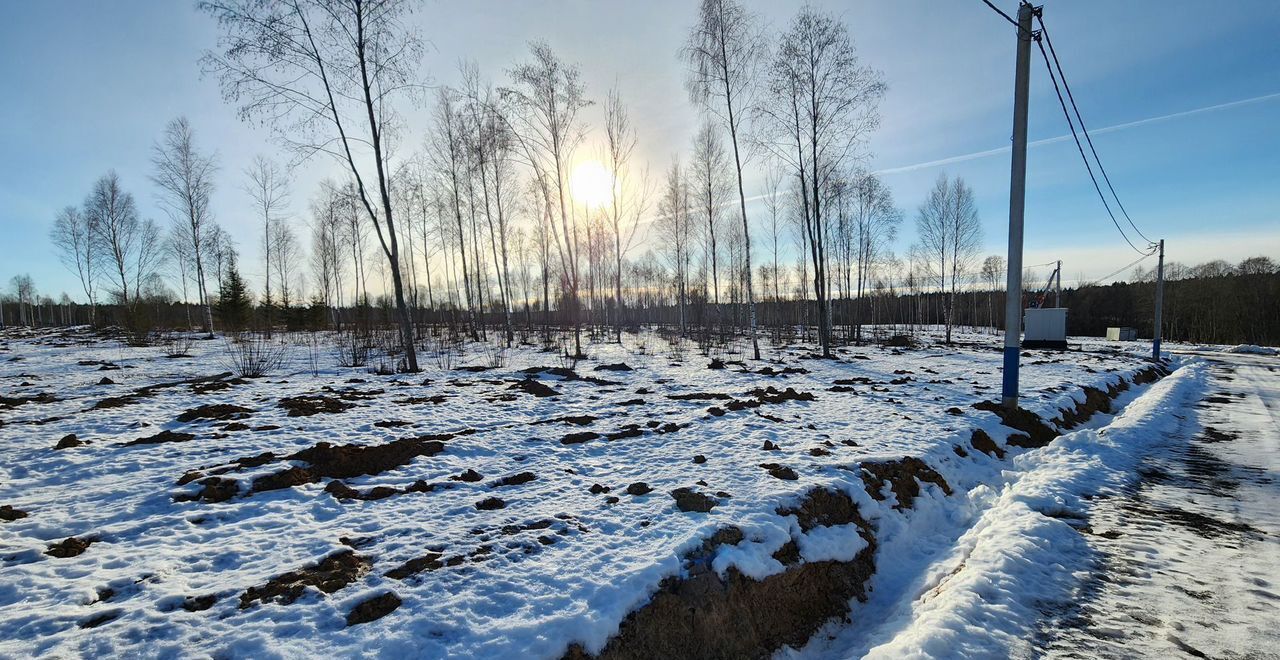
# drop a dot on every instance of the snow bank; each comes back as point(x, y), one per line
point(1253, 349)
point(1023, 553)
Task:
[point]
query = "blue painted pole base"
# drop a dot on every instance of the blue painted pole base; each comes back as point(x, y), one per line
point(1009, 389)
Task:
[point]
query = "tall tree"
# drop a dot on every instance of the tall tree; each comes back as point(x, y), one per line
point(268, 187)
point(823, 104)
point(724, 51)
point(131, 247)
point(185, 178)
point(73, 236)
point(630, 198)
point(949, 233)
point(708, 187)
point(325, 75)
point(545, 97)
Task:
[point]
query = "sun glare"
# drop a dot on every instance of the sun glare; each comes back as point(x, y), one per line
point(591, 183)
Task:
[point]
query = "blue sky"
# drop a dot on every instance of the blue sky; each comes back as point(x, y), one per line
point(90, 85)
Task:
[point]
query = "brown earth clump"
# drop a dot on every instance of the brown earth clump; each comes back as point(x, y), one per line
point(215, 411)
point(68, 441)
point(903, 476)
point(704, 616)
point(313, 404)
point(982, 441)
point(372, 609)
point(10, 514)
point(70, 547)
point(345, 461)
point(161, 438)
point(328, 575)
point(1038, 434)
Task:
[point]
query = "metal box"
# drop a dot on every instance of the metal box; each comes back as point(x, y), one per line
point(1045, 327)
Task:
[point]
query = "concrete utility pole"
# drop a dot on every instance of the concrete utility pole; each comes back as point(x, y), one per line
point(1057, 292)
point(1017, 203)
point(1155, 342)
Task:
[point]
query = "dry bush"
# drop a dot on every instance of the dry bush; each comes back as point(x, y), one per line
point(251, 355)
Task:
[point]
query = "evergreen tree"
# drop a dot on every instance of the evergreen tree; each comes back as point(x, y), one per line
point(233, 299)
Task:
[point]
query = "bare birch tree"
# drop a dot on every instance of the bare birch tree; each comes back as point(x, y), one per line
point(325, 74)
point(724, 51)
point(73, 236)
point(185, 178)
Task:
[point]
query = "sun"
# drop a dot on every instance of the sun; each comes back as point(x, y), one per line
point(591, 184)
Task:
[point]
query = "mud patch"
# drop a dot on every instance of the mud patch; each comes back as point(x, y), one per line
point(1037, 433)
point(10, 514)
point(345, 461)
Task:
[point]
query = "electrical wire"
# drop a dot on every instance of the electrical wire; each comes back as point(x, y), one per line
point(1080, 147)
point(999, 11)
point(1070, 97)
point(1121, 270)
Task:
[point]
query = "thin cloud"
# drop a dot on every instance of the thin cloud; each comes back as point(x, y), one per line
point(1062, 138)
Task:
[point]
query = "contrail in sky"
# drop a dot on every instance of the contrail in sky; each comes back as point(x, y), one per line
point(1061, 138)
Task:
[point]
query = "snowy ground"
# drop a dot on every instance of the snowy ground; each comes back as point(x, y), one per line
point(497, 541)
point(1148, 533)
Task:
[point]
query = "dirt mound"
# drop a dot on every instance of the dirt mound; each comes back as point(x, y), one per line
point(345, 461)
point(530, 386)
point(313, 404)
point(700, 396)
point(706, 616)
point(579, 438)
point(639, 488)
point(1095, 401)
point(371, 609)
point(70, 547)
point(68, 441)
point(983, 443)
point(780, 471)
point(10, 514)
point(903, 476)
point(688, 499)
point(428, 562)
point(491, 504)
point(162, 437)
point(218, 411)
point(771, 394)
point(1038, 434)
point(514, 480)
point(617, 366)
point(9, 402)
point(328, 575)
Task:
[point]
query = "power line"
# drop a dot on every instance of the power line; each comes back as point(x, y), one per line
point(999, 11)
point(1123, 269)
point(1058, 65)
point(1089, 168)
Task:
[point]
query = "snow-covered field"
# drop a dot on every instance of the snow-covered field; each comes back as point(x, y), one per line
point(513, 511)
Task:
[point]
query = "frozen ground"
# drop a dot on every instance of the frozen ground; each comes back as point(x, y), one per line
point(505, 523)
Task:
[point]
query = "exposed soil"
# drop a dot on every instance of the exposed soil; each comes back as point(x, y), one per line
point(428, 562)
point(491, 504)
point(68, 441)
point(580, 437)
point(10, 514)
point(983, 443)
point(688, 499)
point(536, 388)
point(372, 609)
point(345, 461)
point(904, 477)
point(10, 402)
point(161, 438)
point(313, 404)
point(71, 547)
point(514, 480)
point(639, 488)
point(328, 575)
point(215, 411)
point(1038, 434)
point(706, 616)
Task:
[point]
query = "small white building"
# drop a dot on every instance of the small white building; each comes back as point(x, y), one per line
point(1122, 334)
point(1045, 327)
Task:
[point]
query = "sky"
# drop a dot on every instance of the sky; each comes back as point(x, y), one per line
point(1182, 98)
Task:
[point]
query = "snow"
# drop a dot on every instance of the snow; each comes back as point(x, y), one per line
point(513, 594)
point(1253, 349)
